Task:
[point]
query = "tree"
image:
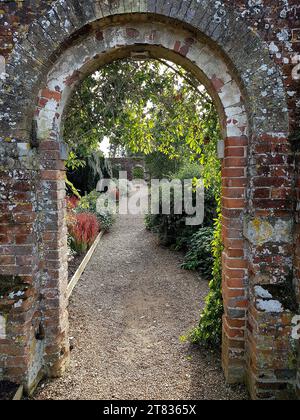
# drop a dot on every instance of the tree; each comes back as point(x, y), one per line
point(149, 107)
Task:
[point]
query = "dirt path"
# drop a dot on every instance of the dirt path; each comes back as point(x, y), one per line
point(126, 315)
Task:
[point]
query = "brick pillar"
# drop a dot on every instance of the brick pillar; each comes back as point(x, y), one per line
point(54, 258)
point(271, 357)
point(33, 278)
point(235, 276)
point(21, 352)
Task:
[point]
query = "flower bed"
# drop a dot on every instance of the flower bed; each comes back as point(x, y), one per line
point(73, 265)
point(85, 221)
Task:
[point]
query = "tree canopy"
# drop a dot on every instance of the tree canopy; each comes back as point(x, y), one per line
point(147, 107)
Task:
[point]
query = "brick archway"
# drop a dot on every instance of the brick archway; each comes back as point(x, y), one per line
point(257, 214)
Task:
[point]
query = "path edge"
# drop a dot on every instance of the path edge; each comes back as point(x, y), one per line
point(75, 279)
point(19, 394)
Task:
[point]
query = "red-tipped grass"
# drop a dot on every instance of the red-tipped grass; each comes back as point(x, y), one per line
point(83, 231)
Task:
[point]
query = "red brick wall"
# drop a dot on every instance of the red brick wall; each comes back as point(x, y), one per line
point(269, 187)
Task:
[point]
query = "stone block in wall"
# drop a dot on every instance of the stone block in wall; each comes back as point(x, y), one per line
point(259, 231)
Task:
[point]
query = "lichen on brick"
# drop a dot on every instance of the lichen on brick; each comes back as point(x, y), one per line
point(257, 92)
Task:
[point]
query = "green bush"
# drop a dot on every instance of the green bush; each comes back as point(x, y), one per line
point(172, 228)
point(106, 220)
point(188, 171)
point(159, 165)
point(89, 202)
point(138, 173)
point(199, 256)
point(86, 176)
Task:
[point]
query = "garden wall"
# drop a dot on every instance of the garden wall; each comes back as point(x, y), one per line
point(127, 165)
point(258, 42)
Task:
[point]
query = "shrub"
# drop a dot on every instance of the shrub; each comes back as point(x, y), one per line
point(106, 220)
point(83, 232)
point(88, 203)
point(172, 228)
point(159, 165)
point(199, 255)
point(151, 222)
point(188, 171)
point(138, 173)
point(71, 252)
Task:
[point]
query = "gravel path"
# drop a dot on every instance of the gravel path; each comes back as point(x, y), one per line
point(127, 314)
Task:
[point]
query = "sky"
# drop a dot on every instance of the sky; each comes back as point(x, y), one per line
point(104, 147)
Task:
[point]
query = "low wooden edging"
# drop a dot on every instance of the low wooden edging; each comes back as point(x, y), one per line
point(19, 394)
point(75, 279)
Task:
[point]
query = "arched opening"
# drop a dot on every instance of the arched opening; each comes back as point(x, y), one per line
point(207, 43)
point(120, 41)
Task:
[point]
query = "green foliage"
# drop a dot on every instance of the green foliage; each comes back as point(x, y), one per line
point(121, 102)
point(72, 252)
point(159, 165)
point(88, 203)
point(189, 170)
point(199, 256)
point(138, 173)
point(105, 216)
point(106, 220)
point(209, 330)
point(172, 228)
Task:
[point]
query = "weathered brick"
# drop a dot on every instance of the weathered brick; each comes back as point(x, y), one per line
point(258, 172)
